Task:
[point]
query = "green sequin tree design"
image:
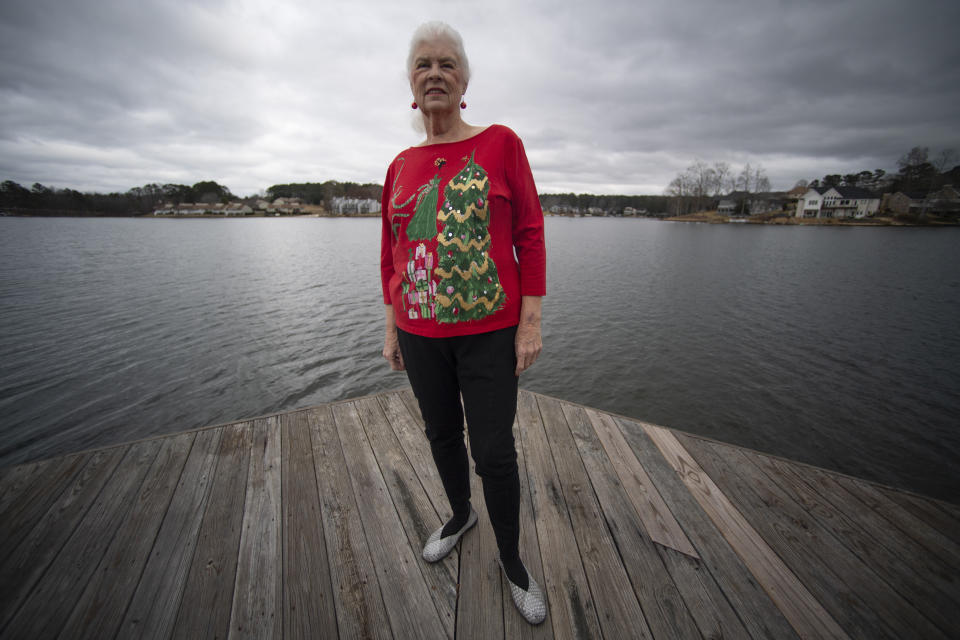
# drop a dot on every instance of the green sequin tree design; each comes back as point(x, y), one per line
point(423, 225)
point(469, 288)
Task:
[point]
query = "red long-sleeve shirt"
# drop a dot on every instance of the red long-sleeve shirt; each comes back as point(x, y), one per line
point(462, 237)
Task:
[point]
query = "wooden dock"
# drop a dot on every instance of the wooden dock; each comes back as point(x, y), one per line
point(309, 525)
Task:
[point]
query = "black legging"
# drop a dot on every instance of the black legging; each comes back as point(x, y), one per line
point(479, 367)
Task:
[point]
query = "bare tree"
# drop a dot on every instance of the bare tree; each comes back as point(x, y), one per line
point(703, 178)
point(700, 183)
point(944, 160)
point(761, 183)
point(745, 178)
point(915, 157)
point(723, 175)
point(679, 189)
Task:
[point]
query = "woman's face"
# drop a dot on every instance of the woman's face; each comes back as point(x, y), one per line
point(436, 79)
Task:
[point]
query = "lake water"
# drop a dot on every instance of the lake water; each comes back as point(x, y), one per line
point(834, 346)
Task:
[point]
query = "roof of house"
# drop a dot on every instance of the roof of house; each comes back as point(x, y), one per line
point(853, 193)
point(760, 195)
point(913, 195)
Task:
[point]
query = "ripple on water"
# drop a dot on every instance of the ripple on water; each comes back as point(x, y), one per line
point(834, 348)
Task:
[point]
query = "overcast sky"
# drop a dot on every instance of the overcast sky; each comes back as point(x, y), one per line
point(608, 96)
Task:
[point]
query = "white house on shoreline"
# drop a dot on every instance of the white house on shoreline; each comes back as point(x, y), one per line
point(348, 206)
point(203, 209)
point(837, 202)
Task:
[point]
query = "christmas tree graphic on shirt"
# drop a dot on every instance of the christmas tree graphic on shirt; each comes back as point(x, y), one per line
point(469, 288)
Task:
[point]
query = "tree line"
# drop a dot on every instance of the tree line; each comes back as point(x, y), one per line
point(700, 185)
point(136, 201)
point(608, 203)
point(696, 188)
point(322, 193)
point(917, 172)
point(144, 200)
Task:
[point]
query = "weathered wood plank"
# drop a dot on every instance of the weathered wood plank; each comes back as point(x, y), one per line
point(663, 607)
point(308, 603)
point(618, 610)
point(359, 605)
point(90, 534)
point(480, 611)
point(153, 606)
point(410, 610)
point(14, 483)
point(258, 593)
point(572, 611)
point(408, 427)
point(947, 550)
point(19, 485)
point(721, 565)
point(515, 627)
point(657, 519)
point(940, 515)
point(101, 607)
point(923, 581)
point(28, 492)
point(20, 480)
point(208, 594)
point(22, 568)
point(798, 605)
point(49, 604)
point(853, 594)
point(413, 507)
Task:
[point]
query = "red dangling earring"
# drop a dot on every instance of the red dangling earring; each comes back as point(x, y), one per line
point(413, 105)
point(463, 104)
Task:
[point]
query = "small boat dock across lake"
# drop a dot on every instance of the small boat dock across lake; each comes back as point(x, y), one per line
point(309, 524)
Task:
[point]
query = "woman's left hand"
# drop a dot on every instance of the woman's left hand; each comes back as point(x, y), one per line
point(528, 341)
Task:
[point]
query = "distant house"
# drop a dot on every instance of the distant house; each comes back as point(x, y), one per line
point(165, 209)
point(767, 202)
point(349, 206)
point(946, 201)
point(942, 202)
point(191, 209)
point(837, 202)
point(202, 209)
point(746, 203)
point(727, 207)
point(237, 209)
point(808, 205)
point(792, 197)
point(903, 202)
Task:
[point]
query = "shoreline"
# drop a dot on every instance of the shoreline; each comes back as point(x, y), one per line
point(700, 218)
point(150, 216)
point(710, 217)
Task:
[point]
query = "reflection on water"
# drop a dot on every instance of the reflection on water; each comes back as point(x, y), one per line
point(833, 346)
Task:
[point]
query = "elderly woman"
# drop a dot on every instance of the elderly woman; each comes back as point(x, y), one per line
point(463, 265)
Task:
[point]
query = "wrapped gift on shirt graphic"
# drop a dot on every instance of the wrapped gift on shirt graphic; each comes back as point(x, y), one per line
point(419, 289)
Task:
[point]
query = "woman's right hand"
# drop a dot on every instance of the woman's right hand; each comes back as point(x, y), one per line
point(391, 345)
point(391, 351)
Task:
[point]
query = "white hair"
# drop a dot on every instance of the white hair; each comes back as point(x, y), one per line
point(435, 30)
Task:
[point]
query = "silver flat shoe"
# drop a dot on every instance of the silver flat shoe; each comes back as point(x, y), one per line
point(531, 603)
point(437, 548)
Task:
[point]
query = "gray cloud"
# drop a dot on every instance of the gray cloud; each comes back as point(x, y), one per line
point(609, 97)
